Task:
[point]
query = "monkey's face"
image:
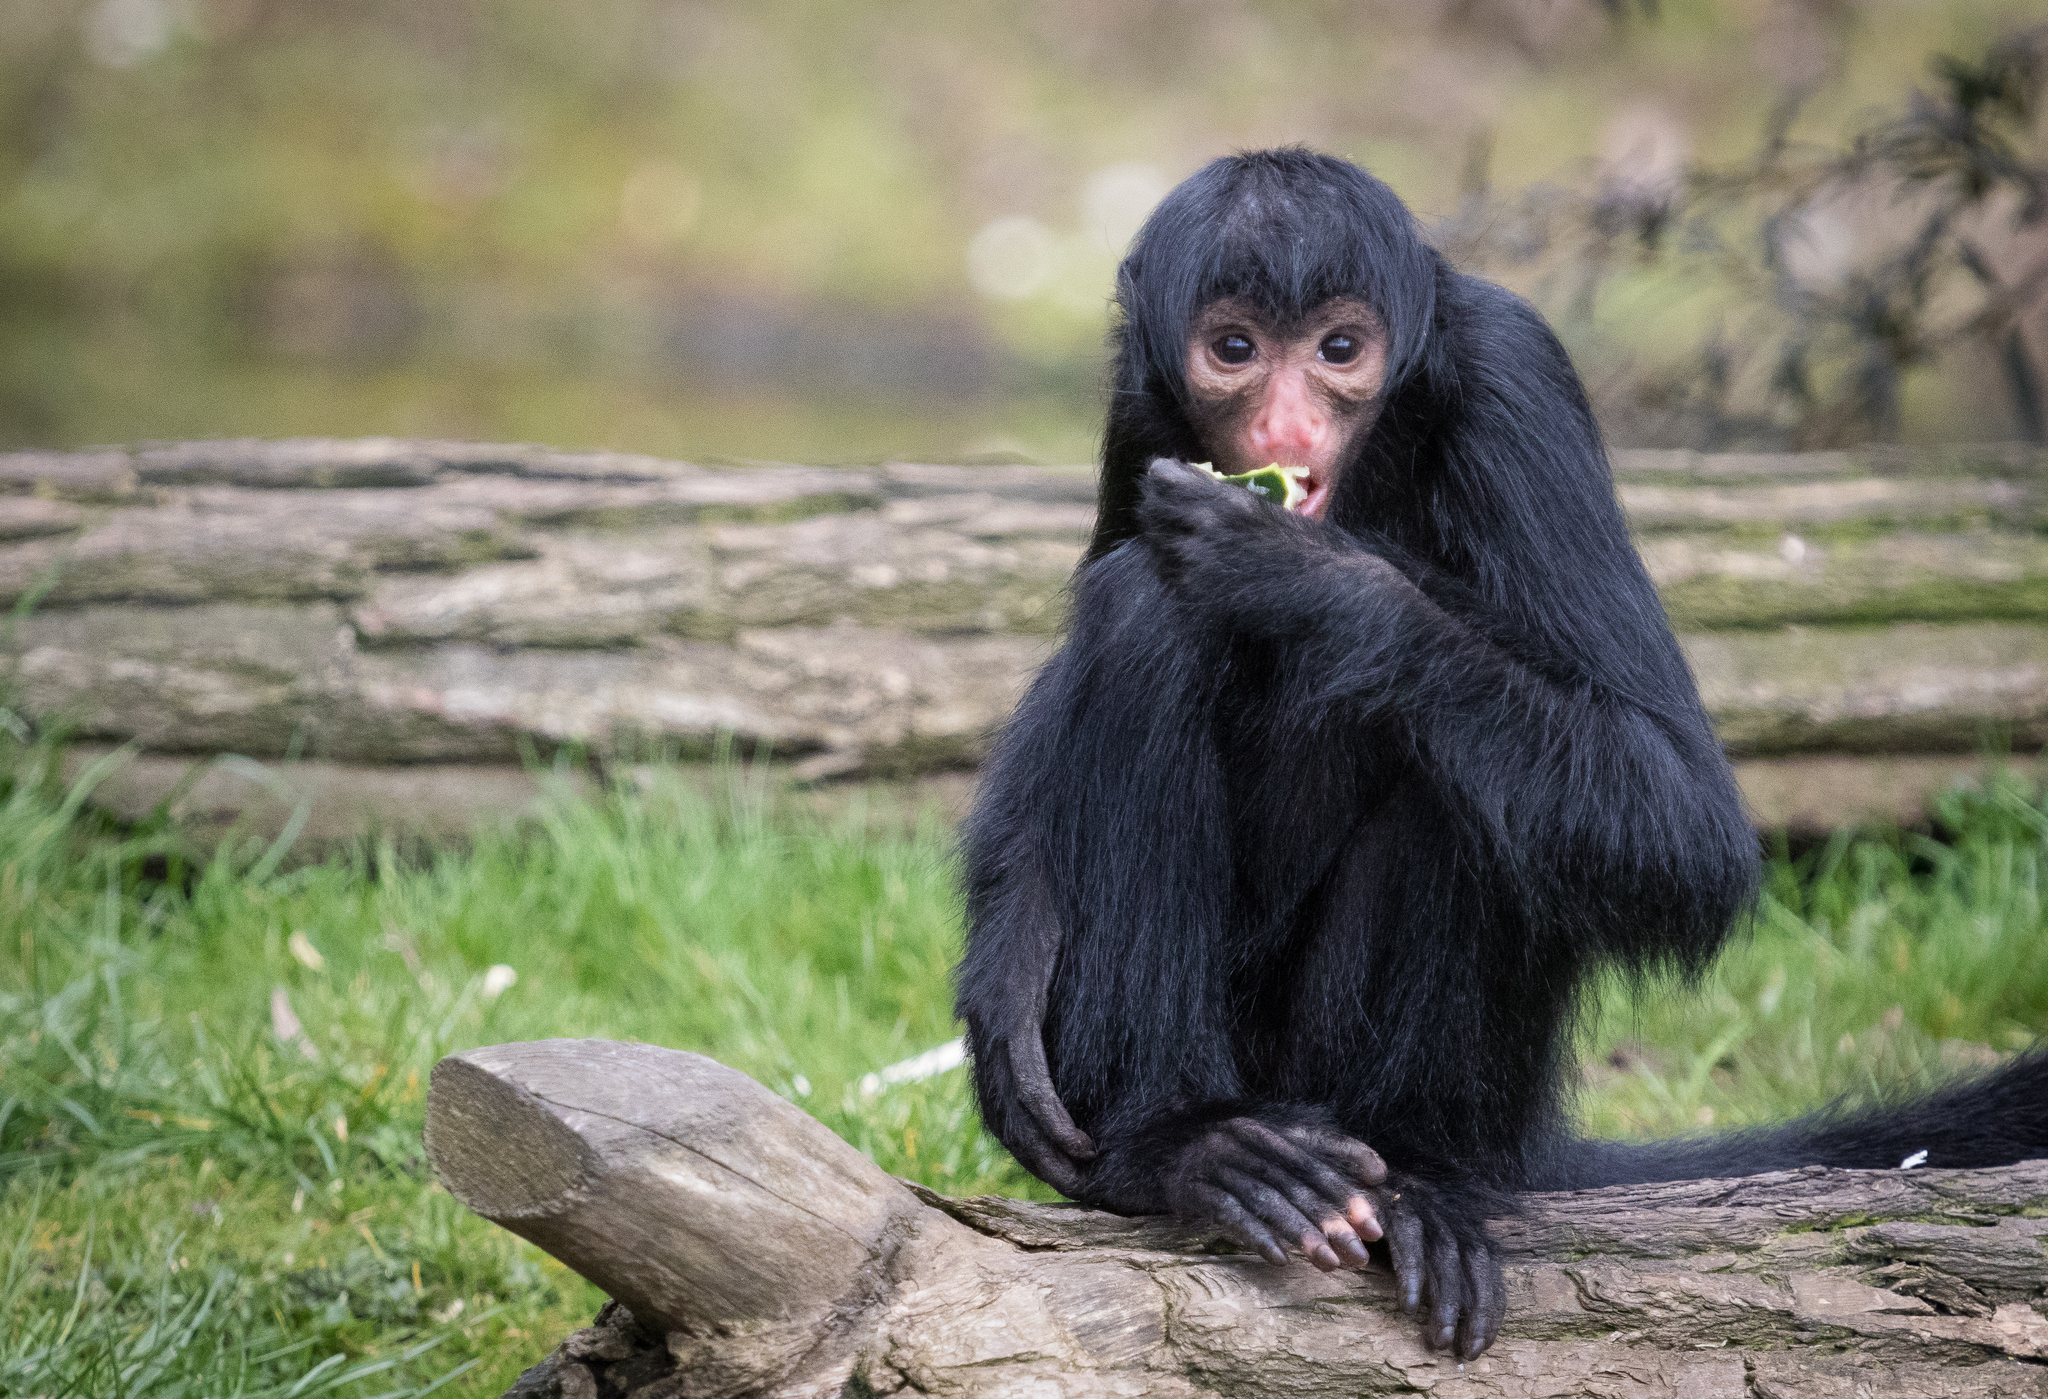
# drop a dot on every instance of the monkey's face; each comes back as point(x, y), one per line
point(1300, 394)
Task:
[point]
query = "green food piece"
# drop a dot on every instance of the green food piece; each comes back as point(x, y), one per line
point(1279, 484)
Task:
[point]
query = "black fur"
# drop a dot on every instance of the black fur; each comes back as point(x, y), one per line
point(1324, 825)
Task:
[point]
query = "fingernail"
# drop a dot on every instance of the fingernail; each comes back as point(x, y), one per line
point(1365, 1220)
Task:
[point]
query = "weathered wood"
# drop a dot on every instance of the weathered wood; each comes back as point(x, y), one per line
point(755, 1253)
point(684, 1189)
point(392, 604)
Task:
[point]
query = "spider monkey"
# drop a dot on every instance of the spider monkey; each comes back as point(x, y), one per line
point(1286, 877)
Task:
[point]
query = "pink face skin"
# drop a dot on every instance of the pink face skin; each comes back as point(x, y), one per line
point(1300, 395)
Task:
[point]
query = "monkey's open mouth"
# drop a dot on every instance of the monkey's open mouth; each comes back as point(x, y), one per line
point(1317, 492)
point(1289, 485)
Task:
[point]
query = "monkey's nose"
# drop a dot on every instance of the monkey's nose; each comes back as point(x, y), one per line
point(1288, 427)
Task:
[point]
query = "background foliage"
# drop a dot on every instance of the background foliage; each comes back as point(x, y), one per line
point(830, 231)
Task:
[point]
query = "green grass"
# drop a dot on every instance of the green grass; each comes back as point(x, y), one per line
point(1876, 966)
point(192, 1203)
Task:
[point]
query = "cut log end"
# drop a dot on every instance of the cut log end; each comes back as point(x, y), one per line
point(703, 1202)
point(498, 1148)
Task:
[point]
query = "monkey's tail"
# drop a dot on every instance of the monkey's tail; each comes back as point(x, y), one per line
point(1992, 1119)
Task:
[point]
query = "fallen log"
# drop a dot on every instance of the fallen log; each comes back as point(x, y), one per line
point(752, 1252)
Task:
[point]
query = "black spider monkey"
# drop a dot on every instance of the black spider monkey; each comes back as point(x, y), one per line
point(1286, 876)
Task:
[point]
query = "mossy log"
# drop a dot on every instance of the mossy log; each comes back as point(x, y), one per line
point(399, 625)
point(752, 1252)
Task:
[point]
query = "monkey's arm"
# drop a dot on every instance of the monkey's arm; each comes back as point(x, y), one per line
point(1519, 751)
point(1603, 798)
point(1098, 879)
point(1099, 847)
point(1004, 982)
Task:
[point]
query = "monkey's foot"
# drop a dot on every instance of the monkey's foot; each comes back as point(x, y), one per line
point(1445, 1266)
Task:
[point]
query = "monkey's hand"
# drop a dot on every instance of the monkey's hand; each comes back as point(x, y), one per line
point(1445, 1267)
point(1223, 544)
point(1202, 530)
point(1262, 569)
point(1263, 1183)
point(1010, 1067)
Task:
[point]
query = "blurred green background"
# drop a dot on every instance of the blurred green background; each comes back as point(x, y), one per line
point(800, 229)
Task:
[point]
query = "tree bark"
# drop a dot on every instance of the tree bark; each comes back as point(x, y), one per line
point(752, 1252)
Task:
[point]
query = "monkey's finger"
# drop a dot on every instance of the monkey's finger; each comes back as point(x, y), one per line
point(1346, 1241)
point(1230, 1162)
point(1279, 1161)
point(1275, 1210)
point(1344, 1192)
point(1346, 1153)
point(1041, 1099)
point(1278, 1213)
point(1282, 1147)
point(1404, 1251)
point(1342, 1239)
point(1364, 1217)
point(1240, 1223)
point(1487, 1295)
point(1447, 1296)
point(1173, 490)
point(1164, 479)
point(1040, 1157)
point(1169, 471)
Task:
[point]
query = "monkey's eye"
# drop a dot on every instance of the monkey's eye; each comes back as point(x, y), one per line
point(1233, 349)
point(1338, 349)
